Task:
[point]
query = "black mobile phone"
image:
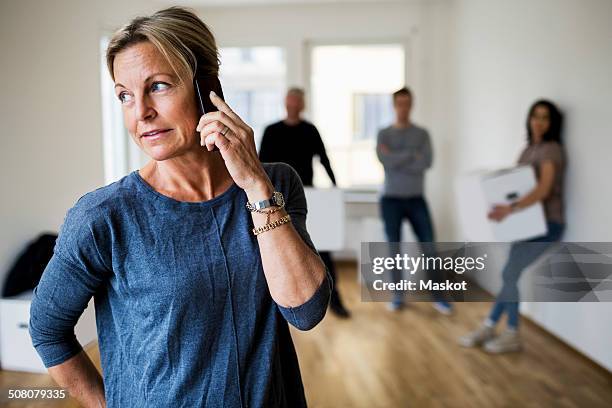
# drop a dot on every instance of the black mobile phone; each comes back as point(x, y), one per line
point(202, 85)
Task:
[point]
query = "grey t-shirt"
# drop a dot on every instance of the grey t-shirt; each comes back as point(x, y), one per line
point(409, 155)
point(535, 155)
point(183, 310)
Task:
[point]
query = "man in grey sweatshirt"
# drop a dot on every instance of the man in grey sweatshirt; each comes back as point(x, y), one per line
point(404, 150)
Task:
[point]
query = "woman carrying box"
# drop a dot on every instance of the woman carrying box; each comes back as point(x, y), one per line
point(545, 153)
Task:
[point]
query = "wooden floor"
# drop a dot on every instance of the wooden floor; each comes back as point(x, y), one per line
point(410, 359)
point(18, 380)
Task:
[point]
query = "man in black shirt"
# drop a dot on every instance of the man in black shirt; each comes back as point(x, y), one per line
point(295, 141)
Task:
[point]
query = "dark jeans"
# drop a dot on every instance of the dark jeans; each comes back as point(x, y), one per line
point(521, 255)
point(394, 210)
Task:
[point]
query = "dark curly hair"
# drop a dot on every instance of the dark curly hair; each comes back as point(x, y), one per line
point(556, 121)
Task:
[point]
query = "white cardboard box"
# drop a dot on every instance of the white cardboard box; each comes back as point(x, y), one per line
point(326, 218)
point(479, 191)
point(16, 350)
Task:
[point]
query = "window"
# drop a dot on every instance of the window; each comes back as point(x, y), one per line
point(351, 87)
point(372, 113)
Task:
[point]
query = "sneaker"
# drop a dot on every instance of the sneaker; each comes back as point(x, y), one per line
point(443, 307)
point(477, 337)
point(508, 341)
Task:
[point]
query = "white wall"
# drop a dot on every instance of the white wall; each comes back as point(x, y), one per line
point(506, 55)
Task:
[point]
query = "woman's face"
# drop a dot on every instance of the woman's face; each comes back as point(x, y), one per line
point(539, 122)
point(159, 112)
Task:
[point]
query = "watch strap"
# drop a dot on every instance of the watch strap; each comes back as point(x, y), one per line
point(276, 200)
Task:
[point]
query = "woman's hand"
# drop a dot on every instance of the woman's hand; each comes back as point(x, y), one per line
point(293, 271)
point(499, 212)
point(236, 142)
point(538, 194)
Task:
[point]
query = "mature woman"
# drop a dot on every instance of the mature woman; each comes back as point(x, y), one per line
point(545, 153)
point(195, 261)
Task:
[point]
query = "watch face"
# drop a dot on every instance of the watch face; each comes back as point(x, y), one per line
point(278, 199)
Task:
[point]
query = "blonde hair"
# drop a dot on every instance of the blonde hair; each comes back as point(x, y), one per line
point(181, 37)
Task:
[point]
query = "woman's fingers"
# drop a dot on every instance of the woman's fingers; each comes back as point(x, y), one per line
point(219, 117)
point(216, 139)
point(217, 129)
point(230, 119)
point(241, 163)
point(218, 132)
point(242, 132)
point(224, 107)
point(499, 212)
point(225, 130)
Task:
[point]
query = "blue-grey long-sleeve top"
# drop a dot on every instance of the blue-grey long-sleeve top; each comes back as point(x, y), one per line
point(407, 155)
point(183, 311)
